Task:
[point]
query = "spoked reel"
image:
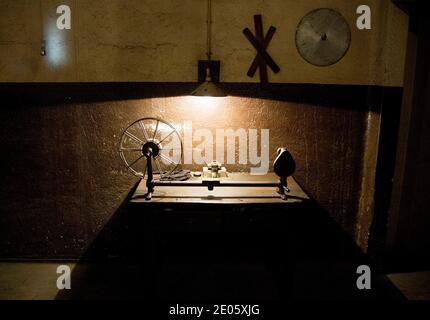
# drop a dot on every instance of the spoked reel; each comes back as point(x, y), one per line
point(151, 146)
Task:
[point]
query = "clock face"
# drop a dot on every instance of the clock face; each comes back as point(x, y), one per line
point(323, 37)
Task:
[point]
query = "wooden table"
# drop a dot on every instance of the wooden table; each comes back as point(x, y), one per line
point(254, 212)
point(222, 195)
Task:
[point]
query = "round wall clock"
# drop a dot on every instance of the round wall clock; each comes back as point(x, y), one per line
point(323, 37)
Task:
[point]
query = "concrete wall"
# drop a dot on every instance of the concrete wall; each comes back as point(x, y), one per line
point(63, 179)
point(161, 41)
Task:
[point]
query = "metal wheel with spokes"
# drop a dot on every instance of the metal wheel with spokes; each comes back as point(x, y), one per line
point(151, 138)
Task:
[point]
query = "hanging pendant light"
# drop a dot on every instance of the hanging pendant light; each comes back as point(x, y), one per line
point(208, 88)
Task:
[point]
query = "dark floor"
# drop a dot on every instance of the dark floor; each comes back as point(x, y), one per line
point(230, 254)
point(37, 281)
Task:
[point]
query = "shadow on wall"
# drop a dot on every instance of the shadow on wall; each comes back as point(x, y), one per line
point(113, 248)
point(273, 254)
point(63, 178)
point(338, 96)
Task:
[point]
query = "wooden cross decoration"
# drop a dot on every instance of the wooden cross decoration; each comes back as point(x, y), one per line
point(260, 44)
